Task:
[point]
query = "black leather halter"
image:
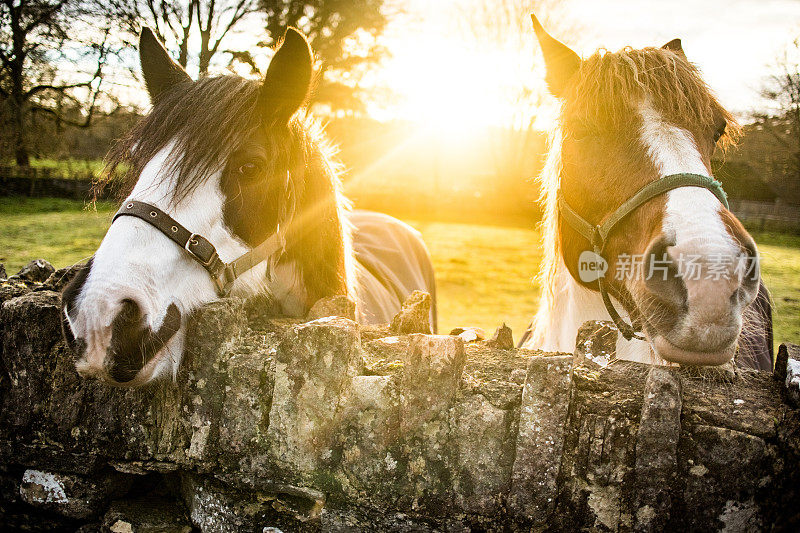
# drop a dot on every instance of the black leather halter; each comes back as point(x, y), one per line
point(199, 248)
point(597, 235)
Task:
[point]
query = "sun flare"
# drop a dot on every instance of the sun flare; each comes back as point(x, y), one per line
point(447, 87)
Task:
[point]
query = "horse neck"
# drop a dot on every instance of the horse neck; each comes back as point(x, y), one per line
point(319, 247)
point(565, 304)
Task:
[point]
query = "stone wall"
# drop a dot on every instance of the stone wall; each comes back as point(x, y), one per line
point(325, 425)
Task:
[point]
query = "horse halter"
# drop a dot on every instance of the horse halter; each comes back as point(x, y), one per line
point(597, 235)
point(200, 249)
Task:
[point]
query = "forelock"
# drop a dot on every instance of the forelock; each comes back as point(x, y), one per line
point(610, 86)
point(205, 121)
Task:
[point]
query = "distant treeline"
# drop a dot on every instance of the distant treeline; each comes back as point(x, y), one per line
point(402, 162)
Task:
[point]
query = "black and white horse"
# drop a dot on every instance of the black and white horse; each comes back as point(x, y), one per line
point(224, 165)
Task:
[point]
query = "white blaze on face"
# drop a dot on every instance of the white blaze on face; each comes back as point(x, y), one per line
point(135, 261)
point(693, 222)
point(692, 213)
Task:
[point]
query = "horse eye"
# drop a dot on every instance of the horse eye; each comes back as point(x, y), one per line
point(249, 170)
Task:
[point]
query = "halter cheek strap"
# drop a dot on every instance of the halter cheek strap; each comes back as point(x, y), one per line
point(597, 235)
point(200, 249)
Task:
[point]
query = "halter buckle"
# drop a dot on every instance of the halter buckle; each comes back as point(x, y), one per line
point(194, 240)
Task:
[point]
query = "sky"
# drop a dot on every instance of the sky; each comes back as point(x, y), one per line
point(443, 76)
point(734, 42)
point(440, 76)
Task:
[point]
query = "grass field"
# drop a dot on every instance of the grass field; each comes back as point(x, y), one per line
point(67, 167)
point(484, 272)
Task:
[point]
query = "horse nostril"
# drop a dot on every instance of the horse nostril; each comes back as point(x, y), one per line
point(130, 312)
point(661, 274)
point(127, 329)
point(134, 343)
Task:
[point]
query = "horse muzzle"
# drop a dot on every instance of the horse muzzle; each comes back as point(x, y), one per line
point(134, 345)
point(127, 353)
point(694, 312)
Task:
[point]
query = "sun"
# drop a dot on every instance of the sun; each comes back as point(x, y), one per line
point(444, 89)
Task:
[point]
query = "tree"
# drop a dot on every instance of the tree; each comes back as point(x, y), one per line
point(344, 36)
point(773, 141)
point(36, 47)
point(177, 23)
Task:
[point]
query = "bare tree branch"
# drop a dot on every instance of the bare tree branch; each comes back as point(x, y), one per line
point(32, 75)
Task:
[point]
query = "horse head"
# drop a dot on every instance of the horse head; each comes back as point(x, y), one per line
point(225, 162)
point(680, 264)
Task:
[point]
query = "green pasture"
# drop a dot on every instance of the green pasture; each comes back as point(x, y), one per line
point(485, 272)
point(69, 168)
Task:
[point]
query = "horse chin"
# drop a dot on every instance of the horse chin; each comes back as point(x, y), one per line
point(676, 354)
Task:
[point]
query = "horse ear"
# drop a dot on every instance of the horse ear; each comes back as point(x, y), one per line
point(288, 78)
point(675, 46)
point(159, 70)
point(561, 62)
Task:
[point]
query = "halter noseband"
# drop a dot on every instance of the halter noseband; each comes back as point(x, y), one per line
point(597, 235)
point(199, 248)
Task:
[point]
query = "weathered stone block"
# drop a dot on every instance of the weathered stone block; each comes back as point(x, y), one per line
point(787, 370)
point(724, 471)
point(314, 367)
point(432, 371)
point(148, 514)
point(215, 506)
point(339, 305)
point(720, 403)
point(483, 453)
point(31, 330)
point(430, 380)
point(61, 277)
point(72, 495)
point(597, 469)
point(786, 351)
point(596, 341)
point(503, 338)
point(540, 440)
point(248, 399)
point(37, 270)
point(656, 449)
point(372, 461)
point(414, 316)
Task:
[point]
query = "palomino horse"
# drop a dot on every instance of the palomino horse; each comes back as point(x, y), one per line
point(233, 191)
point(635, 229)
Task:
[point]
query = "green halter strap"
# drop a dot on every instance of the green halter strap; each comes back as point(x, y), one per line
point(597, 235)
